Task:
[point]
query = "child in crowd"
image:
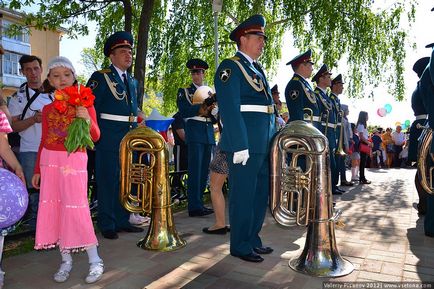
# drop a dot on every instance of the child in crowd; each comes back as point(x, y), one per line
point(377, 152)
point(64, 216)
point(355, 155)
point(403, 155)
point(9, 157)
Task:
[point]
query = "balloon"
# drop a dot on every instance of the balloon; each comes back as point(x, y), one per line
point(407, 122)
point(381, 111)
point(13, 199)
point(397, 123)
point(403, 126)
point(388, 108)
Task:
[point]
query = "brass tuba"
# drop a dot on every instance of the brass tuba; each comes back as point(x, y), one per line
point(144, 187)
point(425, 159)
point(302, 196)
point(340, 149)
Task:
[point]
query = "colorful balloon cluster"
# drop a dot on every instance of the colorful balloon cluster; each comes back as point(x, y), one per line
point(383, 111)
point(404, 125)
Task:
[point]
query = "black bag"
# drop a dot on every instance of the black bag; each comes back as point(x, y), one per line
point(14, 138)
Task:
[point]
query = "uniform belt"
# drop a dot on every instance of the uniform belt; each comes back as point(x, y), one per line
point(338, 124)
point(257, 108)
point(332, 125)
point(115, 117)
point(314, 118)
point(421, 116)
point(199, 118)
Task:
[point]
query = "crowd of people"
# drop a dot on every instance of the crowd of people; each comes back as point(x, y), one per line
point(246, 109)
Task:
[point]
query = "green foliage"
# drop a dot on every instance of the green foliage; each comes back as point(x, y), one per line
point(368, 40)
point(92, 60)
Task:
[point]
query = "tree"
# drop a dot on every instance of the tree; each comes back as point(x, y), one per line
point(169, 32)
point(92, 60)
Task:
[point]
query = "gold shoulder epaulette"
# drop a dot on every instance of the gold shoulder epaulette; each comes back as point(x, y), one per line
point(296, 78)
point(104, 70)
point(235, 58)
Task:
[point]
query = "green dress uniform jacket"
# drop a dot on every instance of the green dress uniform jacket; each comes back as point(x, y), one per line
point(246, 109)
point(302, 102)
point(113, 100)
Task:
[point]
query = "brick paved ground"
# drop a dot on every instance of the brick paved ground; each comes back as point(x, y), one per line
point(383, 238)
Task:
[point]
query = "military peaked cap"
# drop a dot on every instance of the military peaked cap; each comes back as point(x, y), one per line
point(196, 64)
point(253, 25)
point(116, 40)
point(322, 71)
point(301, 58)
point(337, 79)
point(429, 45)
point(420, 65)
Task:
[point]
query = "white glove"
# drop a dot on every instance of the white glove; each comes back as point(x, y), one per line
point(241, 157)
point(214, 111)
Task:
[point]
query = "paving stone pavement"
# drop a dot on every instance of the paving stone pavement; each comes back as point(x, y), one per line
point(383, 237)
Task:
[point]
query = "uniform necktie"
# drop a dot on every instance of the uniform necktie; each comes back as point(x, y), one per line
point(256, 65)
point(124, 76)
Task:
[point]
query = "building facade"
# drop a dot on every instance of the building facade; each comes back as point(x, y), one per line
point(42, 43)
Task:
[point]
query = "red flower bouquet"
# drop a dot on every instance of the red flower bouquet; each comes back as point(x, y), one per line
point(79, 130)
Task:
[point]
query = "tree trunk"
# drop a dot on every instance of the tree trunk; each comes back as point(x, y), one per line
point(128, 13)
point(142, 48)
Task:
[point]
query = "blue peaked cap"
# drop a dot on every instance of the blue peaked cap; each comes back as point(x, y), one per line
point(253, 25)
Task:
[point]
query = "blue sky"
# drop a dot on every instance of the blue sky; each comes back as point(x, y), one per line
point(401, 111)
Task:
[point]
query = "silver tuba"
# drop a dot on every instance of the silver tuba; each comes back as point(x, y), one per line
point(302, 196)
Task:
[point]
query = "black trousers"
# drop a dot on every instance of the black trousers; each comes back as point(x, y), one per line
point(363, 158)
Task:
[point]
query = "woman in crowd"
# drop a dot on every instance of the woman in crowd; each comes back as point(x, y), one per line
point(364, 140)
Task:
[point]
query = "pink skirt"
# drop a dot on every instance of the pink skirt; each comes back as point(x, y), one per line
point(63, 214)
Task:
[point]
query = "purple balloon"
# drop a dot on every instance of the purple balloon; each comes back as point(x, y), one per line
point(13, 198)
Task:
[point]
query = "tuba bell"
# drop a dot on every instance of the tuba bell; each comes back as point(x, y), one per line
point(302, 196)
point(425, 159)
point(144, 187)
point(340, 150)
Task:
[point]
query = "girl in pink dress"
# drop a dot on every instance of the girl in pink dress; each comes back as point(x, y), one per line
point(64, 217)
point(9, 157)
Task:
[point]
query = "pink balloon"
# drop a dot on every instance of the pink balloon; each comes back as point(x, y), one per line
point(381, 112)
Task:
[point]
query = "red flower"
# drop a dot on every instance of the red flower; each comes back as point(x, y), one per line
point(77, 95)
point(60, 105)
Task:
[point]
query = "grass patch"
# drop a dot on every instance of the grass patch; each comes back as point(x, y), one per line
point(18, 247)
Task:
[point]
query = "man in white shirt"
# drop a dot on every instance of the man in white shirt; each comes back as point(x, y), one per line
point(398, 138)
point(26, 110)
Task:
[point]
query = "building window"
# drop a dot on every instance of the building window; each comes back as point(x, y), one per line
point(22, 37)
point(11, 63)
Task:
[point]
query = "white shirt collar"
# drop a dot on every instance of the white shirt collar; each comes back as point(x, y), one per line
point(246, 56)
point(120, 72)
point(323, 90)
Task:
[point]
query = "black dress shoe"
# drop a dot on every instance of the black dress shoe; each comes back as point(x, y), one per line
point(200, 213)
point(252, 257)
point(346, 184)
point(132, 229)
point(208, 209)
point(110, 235)
point(337, 192)
point(221, 231)
point(365, 182)
point(340, 190)
point(263, 250)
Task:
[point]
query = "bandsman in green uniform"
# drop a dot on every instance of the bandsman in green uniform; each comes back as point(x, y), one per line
point(116, 107)
point(247, 112)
